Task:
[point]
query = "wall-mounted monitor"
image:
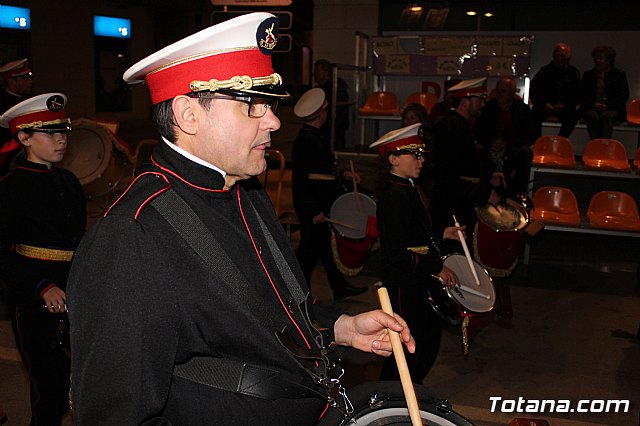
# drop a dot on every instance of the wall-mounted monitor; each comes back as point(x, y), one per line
point(106, 26)
point(16, 18)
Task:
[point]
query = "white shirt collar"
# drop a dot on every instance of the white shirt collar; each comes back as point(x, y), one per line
point(193, 158)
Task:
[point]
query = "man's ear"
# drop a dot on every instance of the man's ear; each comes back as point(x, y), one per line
point(185, 113)
point(393, 160)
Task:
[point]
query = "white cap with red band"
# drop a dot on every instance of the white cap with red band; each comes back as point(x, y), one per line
point(233, 56)
point(15, 69)
point(470, 88)
point(40, 113)
point(402, 139)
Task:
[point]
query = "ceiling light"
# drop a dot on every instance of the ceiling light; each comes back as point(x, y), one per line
point(472, 13)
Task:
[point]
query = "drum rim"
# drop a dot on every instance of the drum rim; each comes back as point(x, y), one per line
point(340, 229)
point(524, 216)
point(83, 124)
point(466, 310)
point(436, 409)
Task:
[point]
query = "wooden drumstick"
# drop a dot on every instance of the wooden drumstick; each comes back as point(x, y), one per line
point(337, 222)
point(465, 288)
point(355, 185)
point(401, 362)
point(466, 252)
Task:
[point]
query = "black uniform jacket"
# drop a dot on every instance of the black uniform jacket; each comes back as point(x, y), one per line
point(141, 301)
point(311, 155)
point(460, 182)
point(43, 208)
point(405, 224)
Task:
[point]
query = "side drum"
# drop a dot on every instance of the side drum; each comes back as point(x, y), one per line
point(383, 403)
point(353, 219)
point(499, 236)
point(91, 156)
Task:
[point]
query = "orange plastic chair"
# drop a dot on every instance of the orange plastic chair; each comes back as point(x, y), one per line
point(613, 210)
point(380, 103)
point(606, 154)
point(633, 112)
point(427, 100)
point(555, 205)
point(553, 151)
point(636, 160)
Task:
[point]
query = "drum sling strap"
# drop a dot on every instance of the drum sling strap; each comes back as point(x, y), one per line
point(222, 373)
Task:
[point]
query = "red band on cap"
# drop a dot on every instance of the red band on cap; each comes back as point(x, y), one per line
point(34, 117)
point(399, 144)
point(173, 81)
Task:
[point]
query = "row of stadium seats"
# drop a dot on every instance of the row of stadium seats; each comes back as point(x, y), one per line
point(556, 205)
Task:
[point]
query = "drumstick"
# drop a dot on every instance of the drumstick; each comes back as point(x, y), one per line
point(466, 252)
point(337, 222)
point(401, 362)
point(465, 288)
point(355, 185)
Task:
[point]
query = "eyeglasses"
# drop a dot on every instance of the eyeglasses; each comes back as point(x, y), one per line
point(257, 106)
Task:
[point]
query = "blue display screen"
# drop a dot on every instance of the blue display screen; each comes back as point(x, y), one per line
point(17, 18)
point(106, 26)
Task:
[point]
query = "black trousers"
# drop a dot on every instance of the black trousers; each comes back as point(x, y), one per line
point(315, 243)
point(426, 328)
point(42, 339)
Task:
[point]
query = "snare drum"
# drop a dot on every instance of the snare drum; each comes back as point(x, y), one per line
point(499, 236)
point(91, 157)
point(353, 219)
point(383, 403)
point(452, 304)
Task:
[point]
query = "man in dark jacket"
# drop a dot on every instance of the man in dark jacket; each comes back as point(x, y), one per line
point(316, 182)
point(555, 92)
point(186, 302)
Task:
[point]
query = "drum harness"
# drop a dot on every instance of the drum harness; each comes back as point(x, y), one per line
point(237, 376)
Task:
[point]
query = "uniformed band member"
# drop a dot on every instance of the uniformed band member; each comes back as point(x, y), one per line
point(316, 182)
point(460, 183)
point(411, 258)
point(42, 218)
point(186, 301)
point(18, 81)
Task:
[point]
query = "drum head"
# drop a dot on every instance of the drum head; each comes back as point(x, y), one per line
point(89, 149)
point(508, 216)
point(468, 299)
point(351, 211)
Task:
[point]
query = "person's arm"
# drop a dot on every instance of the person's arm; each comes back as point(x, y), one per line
point(368, 332)
point(124, 335)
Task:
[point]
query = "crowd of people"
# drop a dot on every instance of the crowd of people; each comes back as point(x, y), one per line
point(210, 310)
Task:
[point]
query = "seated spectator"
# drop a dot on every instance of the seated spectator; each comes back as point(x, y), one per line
point(605, 94)
point(510, 117)
point(555, 92)
point(414, 113)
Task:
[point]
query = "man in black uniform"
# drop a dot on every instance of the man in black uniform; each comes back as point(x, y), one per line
point(322, 75)
point(316, 182)
point(42, 218)
point(186, 301)
point(411, 258)
point(18, 81)
point(460, 184)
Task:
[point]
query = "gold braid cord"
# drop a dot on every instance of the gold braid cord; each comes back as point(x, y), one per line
point(39, 124)
point(239, 82)
point(465, 340)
